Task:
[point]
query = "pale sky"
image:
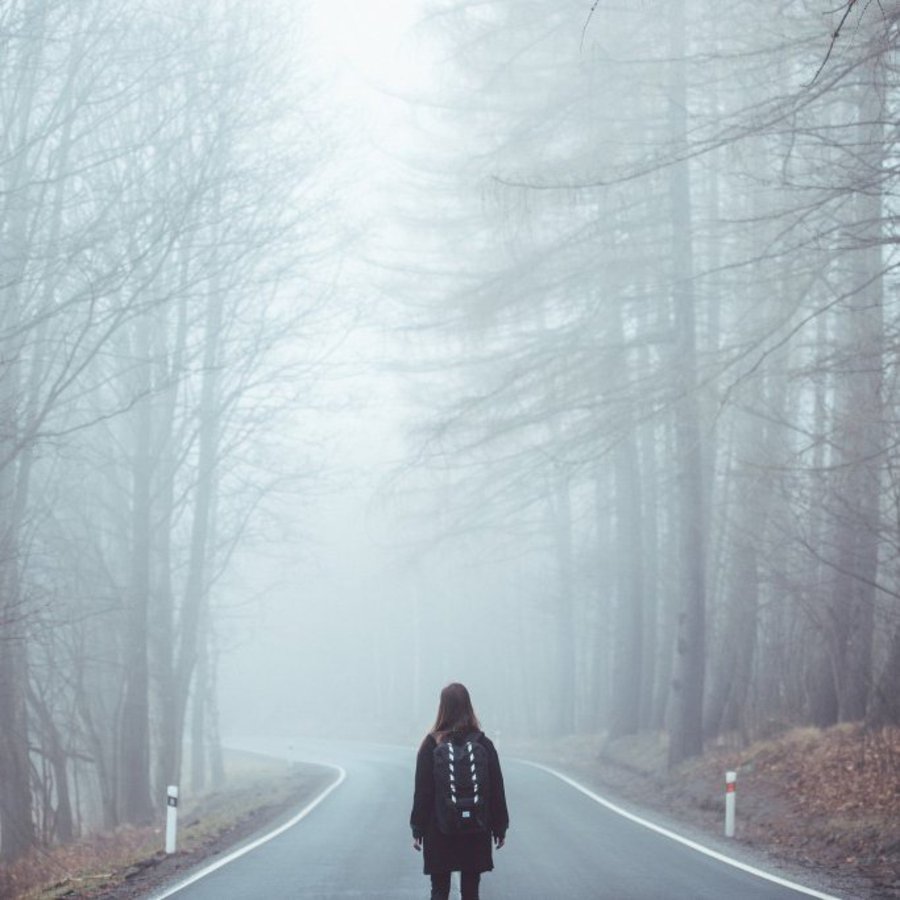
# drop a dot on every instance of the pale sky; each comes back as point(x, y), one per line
point(370, 38)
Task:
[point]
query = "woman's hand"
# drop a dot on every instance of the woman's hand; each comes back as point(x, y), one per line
point(499, 841)
point(417, 844)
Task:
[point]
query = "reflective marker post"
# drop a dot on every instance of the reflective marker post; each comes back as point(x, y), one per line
point(730, 784)
point(171, 817)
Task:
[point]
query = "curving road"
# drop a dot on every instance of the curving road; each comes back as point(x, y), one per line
point(562, 845)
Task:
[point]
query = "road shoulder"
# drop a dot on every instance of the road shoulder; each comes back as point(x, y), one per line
point(692, 805)
point(130, 862)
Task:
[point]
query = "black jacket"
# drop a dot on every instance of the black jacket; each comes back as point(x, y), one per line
point(458, 852)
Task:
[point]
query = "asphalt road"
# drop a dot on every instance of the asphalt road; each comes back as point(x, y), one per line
point(562, 845)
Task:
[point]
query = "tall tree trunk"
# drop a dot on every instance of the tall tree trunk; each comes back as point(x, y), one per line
point(861, 439)
point(670, 592)
point(16, 823)
point(16, 814)
point(651, 588)
point(136, 805)
point(172, 368)
point(686, 712)
point(628, 644)
point(737, 638)
point(196, 595)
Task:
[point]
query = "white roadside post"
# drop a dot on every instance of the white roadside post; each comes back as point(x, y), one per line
point(730, 779)
point(171, 817)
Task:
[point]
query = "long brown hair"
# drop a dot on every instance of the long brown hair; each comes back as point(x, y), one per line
point(455, 712)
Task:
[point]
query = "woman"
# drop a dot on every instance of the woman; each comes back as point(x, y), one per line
point(441, 821)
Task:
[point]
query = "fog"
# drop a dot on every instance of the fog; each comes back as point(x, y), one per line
point(347, 350)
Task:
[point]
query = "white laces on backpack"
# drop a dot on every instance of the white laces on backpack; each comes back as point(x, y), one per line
point(474, 776)
point(452, 777)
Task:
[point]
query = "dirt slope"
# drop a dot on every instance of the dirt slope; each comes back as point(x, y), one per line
point(820, 801)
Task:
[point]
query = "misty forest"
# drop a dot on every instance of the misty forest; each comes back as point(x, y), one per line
point(345, 353)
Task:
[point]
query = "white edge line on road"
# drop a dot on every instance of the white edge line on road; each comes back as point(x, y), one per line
point(168, 892)
point(759, 873)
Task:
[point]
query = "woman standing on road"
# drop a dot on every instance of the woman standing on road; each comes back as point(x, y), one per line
point(459, 802)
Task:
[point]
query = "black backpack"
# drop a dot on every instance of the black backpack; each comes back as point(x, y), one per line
point(461, 785)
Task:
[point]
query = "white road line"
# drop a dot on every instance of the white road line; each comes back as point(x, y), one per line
point(168, 892)
point(759, 873)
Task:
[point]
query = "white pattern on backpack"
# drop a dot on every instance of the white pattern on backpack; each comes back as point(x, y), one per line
point(452, 777)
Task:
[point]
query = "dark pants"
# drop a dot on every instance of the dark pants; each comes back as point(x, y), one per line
point(440, 886)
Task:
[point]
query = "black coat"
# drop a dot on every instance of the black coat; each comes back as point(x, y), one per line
point(456, 852)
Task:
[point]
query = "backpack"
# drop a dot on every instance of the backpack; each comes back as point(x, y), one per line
point(461, 785)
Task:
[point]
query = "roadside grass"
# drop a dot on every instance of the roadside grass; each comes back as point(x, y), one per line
point(255, 787)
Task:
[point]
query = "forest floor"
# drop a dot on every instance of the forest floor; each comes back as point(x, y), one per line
point(130, 862)
point(810, 801)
